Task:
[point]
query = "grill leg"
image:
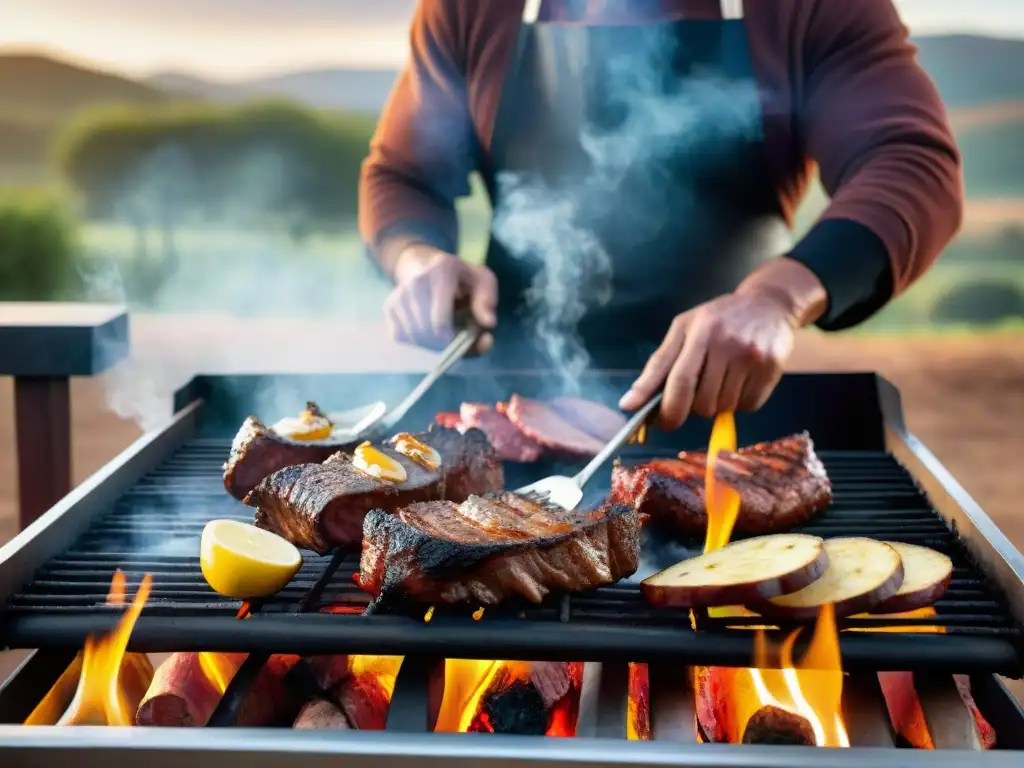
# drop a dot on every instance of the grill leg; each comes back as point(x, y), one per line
point(42, 412)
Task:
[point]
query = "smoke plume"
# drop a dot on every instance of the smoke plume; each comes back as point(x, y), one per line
point(552, 224)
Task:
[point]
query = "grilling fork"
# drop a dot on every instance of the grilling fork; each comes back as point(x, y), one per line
point(567, 492)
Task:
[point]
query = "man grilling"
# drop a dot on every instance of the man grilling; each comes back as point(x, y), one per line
point(650, 155)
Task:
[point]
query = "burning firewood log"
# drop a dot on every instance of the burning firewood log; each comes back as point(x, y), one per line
point(935, 714)
point(511, 706)
point(321, 714)
point(712, 688)
point(639, 702)
point(182, 694)
point(364, 701)
point(772, 725)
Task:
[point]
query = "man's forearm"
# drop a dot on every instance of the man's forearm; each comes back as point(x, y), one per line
point(792, 285)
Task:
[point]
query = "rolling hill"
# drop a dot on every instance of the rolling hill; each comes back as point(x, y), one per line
point(979, 78)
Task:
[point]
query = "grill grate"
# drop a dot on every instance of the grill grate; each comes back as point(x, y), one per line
point(155, 528)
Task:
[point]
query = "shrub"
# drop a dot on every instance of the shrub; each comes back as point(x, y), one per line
point(38, 247)
point(267, 162)
point(982, 302)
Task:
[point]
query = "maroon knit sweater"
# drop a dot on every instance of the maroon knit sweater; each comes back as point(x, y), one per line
point(847, 95)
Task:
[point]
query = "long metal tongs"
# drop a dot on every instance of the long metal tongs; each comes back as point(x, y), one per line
point(459, 347)
point(567, 492)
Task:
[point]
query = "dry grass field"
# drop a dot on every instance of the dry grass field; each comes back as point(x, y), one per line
point(963, 395)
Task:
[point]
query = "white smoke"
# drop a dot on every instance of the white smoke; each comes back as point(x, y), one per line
point(549, 223)
point(179, 248)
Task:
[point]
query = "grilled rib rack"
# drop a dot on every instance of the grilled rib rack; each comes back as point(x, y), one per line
point(144, 514)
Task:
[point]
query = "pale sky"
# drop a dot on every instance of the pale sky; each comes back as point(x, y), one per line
point(241, 38)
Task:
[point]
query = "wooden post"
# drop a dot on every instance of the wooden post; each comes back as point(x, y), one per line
point(42, 345)
point(42, 414)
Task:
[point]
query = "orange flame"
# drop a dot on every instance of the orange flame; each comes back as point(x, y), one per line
point(721, 501)
point(100, 698)
point(466, 682)
point(220, 668)
point(812, 689)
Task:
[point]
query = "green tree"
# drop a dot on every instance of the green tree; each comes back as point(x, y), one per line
point(38, 247)
point(272, 164)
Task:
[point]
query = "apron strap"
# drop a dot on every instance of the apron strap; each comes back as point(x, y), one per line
point(732, 9)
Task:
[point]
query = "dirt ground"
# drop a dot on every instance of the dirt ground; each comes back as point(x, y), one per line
point(963, 395)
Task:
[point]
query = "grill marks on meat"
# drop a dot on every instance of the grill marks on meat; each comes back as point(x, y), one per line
point(322, 506)
point(543, 424)
point(508, 442)
point(489, 548)
point(257, 452)
point(782, 484)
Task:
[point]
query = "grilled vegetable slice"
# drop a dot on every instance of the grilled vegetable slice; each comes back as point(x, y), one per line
point(741, 572)
point(862, 573)
point(926, 576)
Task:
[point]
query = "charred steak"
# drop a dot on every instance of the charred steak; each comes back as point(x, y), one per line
point(782, 484)
point(488, 548)
point(508, 442)
point(257, 452)
point(321, 506)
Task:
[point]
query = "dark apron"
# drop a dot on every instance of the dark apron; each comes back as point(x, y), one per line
point(629, 183)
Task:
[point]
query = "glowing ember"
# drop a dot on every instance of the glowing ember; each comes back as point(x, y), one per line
point(341, 608)
point(429, 614)
point(478, 614)
point(721, 501)
point(383, 668)
point(101, 698)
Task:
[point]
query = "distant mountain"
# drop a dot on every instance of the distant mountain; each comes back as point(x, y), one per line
point(40, 94)
point(350, 90)
point(51, 89)
point(969, 70)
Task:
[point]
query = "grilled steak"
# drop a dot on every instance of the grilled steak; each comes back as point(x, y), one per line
point(508, 442)
point(542, 423)
point(321, 506)
point(593, 418)
point(488, 548)
point(782, 484)
point(257, 452)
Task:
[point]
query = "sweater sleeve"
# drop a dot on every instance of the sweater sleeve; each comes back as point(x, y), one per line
point(422, 152)
point(875, 124)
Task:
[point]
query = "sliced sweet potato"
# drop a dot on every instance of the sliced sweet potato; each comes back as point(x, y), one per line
point(745, 571)
point(926, 577)
point(862, 573)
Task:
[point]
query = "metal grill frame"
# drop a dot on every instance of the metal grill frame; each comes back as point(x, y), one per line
point(206, 409)
point(404, 745)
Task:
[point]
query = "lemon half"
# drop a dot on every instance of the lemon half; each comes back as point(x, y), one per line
point(242, 561)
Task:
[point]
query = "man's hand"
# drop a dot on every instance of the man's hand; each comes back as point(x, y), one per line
point(728, 354)
point(428, 284)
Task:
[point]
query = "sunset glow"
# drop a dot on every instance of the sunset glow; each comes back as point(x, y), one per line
point(233, 39)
